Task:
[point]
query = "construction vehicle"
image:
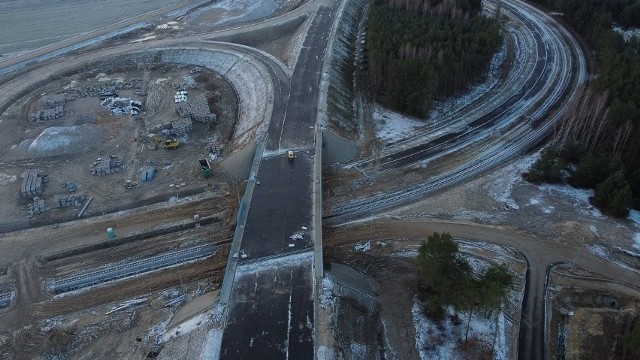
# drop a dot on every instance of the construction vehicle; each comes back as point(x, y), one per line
point(290, 155)
point(205, 168)
point(171, 144)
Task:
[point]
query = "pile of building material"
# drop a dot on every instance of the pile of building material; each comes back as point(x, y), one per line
point(214, 147)
point(70, 186)
point(37, 207)
point(107, 166)
point(53, 108)
point(195, 108)
point(32, 181)
point(69, 200)
point(181, 127)
point(107, 90)
point(148, 173)
point(181, 96)
point(51, 101)
point(118, 105)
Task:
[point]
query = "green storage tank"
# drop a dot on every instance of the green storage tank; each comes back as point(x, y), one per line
point(205, 168)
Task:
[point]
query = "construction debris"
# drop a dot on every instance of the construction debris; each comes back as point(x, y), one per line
point(181, 96)
point(32, 181)
point(181, 127)
point(107, 90)
point(107, 166)
point(69, 200)
point(37, 207)
point(196, 108)
point(130, 184)
point(118, 105)
point(214, 147)
point(71, 187)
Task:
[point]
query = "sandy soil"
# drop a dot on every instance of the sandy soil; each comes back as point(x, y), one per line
point(585, 312)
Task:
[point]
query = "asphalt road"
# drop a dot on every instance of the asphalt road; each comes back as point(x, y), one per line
point(551, 83)
point(281, 207)
point(292, 128)
point(297, 129)
point(271, 316)
point(263, 322)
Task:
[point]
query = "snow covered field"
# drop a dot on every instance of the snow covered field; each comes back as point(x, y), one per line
point(29, 24)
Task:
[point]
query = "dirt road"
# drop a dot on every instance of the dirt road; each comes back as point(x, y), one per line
point(539, 252)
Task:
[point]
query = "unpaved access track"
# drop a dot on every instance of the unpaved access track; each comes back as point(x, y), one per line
point(540, 253)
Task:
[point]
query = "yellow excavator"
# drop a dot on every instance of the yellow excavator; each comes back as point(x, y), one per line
point(171, 144)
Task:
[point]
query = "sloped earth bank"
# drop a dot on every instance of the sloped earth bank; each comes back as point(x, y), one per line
point(583, 313)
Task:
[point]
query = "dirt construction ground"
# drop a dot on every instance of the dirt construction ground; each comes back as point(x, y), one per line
point(65, 149)
point(167, 313)
point(149, 218)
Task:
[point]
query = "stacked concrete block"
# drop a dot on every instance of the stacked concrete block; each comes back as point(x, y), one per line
point(53, 101)
point(181, 96)
point(63, 201)
point(70, 186)
point(49, 114)
point(214, 147)
point(32, 181)
point(181, 127)
point(106, 166)
point(53, 108)
point(37, 207)
point(195, 108)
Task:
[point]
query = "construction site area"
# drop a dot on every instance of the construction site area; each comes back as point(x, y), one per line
point(130, 156)
point(104, 168)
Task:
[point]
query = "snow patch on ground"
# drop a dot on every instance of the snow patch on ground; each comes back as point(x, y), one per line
point(186, 327)
point(627, 34)
point(636, 240)
point(392, 126)
point(474, 216)
point(503, 181)
point(211, 349)
point(280, 262)
point(232, 11)
point(326, 298)
point(442, 108)
point(148, 37)
point(579, 197)
point(358, 351)
point(324, 353)
point(6, 178)
point(634, 216)
point(173, 25)
point(435, 342)
point(606, 253)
